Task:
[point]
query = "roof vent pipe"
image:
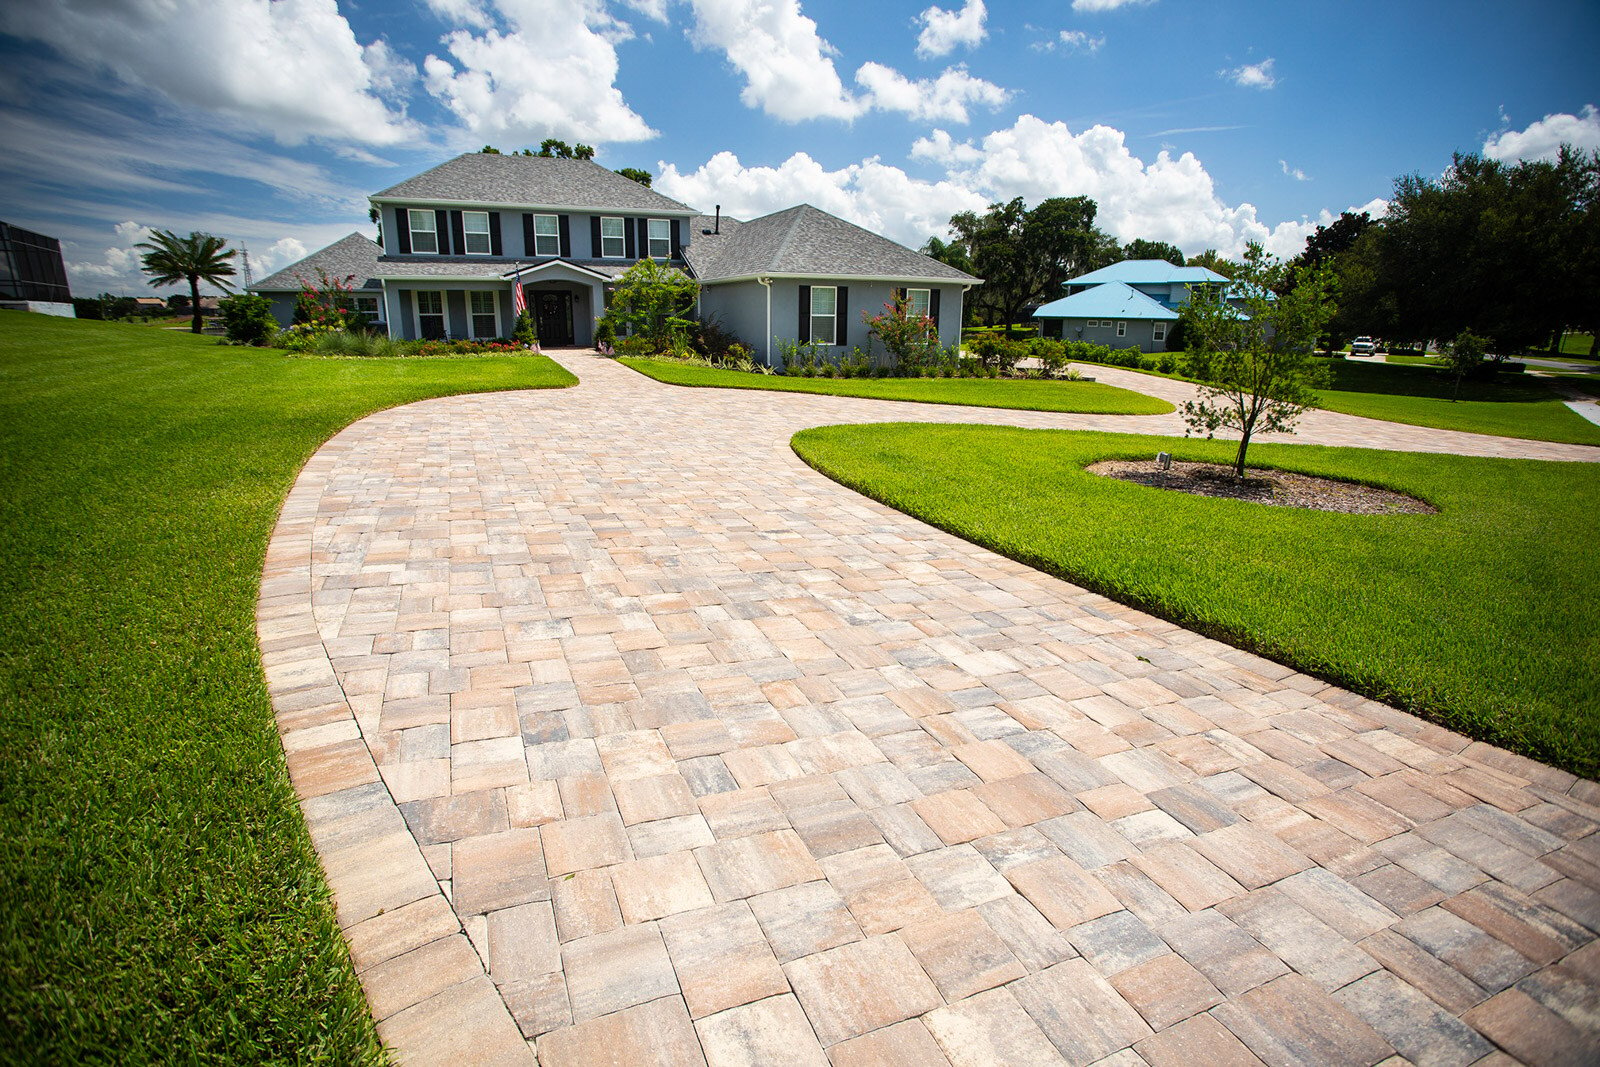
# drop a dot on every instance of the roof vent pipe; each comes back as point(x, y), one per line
point(719, 220)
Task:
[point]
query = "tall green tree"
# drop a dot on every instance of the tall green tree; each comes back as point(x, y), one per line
point(1250, 347)
point(634, 174)
point(1211, 259)
point(1506, 250)
point(200, 257)
point(1025, 255)
point(1139, 248)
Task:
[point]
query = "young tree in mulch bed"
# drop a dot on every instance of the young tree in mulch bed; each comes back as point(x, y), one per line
point(1250, 346)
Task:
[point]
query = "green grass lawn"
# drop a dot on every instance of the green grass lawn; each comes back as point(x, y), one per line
point(1575, 346)
point(162, 898)
point(1083, 397)
point(1515, 406)
point(1483, 617)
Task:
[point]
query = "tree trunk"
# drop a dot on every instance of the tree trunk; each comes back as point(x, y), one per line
point(1238, 462)
point(195, 322)
point(1594, 343)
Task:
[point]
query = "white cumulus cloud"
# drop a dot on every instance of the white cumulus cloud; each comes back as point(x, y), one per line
point(1543, 139)
point(541, 68)
point(944, 31)
point(1293, 172)
point(1073, 41)
point(292, 68)
point(1252, 75)
point(944, 98)
point(1105, 5)
point(786, 64)
point(1163, 199)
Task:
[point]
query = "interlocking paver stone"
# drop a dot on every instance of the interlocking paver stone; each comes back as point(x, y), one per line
point(549, 678)
point(850, 990)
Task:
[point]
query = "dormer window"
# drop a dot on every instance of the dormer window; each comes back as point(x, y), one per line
point(424, 238)
point(475, 230)
point(612, 244)
point(660, 239)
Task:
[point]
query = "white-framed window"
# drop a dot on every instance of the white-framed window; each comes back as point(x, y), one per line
point(1092, 323)
point(546, 236)
point(612, 243)
point(660, 239)
point(1122, 329)
point(484, 308)
point(1160, 332)
point(424, 237)
point(368, 306)
point(475, 228)
point(919, 302)
point(824, 315)
point(430, 315)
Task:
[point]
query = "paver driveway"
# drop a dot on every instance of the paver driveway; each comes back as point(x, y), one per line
point(627, 738)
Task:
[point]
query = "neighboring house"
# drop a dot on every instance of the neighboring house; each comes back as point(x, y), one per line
point(1132, 304)
point(457, 237)
point(150, 304)
point(33, 276)
point(802, 274)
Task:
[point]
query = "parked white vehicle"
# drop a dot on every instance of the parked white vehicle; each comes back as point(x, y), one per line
point(1363, 346)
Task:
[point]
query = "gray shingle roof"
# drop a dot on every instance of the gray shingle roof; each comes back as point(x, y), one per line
point(530, 181)
point(355, 254)
point(807, 242)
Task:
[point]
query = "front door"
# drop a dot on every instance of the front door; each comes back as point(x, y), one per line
point(554, 314)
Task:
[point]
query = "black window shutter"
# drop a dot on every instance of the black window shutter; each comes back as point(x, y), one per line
point(805, 313)
point(627, 233)
point(897, 294)
point(529, 245)
point(594, 236)
point(841, 315)
point(933, 307)
point(566, 237)
point(677, 237)
point(402, 230)
point(459, 233)
point(441, 230)
point(495, 247)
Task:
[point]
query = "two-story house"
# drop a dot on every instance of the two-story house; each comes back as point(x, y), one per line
point(457, 238)
point(1132, 304)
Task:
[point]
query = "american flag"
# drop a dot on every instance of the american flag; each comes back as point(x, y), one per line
point(518, 300)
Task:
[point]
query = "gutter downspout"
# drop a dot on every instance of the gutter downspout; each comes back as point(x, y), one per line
point(961, 320)
point(766, 283)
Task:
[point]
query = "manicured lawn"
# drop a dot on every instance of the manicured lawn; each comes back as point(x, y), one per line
point(162, 900)
point(1515, 406)
point(1083, 397)
point(1482, 617)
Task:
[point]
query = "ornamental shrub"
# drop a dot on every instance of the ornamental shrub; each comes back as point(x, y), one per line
point(247, 319)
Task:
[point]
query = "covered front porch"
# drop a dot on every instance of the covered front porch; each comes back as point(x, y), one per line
point(566, 300)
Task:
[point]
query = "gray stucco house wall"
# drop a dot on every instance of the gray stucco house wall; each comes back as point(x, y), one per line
point(753, 274)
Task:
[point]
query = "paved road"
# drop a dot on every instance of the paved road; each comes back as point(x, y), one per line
point(626, 737)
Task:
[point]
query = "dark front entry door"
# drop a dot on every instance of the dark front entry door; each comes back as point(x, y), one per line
point(554, 314)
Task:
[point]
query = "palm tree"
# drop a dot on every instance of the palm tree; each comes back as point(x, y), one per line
point(200, 256)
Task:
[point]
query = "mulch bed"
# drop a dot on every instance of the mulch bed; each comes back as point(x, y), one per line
point(1283, 489)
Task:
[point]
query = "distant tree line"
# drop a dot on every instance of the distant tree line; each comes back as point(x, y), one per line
point(1507, 251)
point(1025, 254)
point(550, 148)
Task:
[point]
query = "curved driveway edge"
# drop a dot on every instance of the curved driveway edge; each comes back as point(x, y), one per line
point(624, 736)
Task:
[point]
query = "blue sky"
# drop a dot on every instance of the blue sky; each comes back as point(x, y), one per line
point(1207, 125)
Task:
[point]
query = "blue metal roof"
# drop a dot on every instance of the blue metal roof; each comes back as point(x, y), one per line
point(1113, 300)
point(1147, 272)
